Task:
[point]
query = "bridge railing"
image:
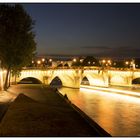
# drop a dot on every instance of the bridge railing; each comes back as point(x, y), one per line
point(80, 67)
point(55, 68)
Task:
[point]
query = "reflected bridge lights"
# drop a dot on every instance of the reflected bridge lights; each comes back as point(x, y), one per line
point(112, 95)
point(112, 90)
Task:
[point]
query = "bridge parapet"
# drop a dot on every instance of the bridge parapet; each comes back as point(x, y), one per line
point(73, 77)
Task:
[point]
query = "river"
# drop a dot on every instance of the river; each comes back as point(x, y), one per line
point(118, 114)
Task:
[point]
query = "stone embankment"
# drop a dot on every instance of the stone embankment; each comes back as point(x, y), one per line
point(54, 117)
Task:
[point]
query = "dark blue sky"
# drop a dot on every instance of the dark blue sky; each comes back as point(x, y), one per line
point(89, 29)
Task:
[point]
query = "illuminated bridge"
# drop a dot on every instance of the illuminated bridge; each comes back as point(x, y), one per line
point(74, 77)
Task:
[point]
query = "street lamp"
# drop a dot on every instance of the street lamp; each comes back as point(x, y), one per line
point(74, 60)
point(109, 61)
point(88, 62)
point(103, 61)
point(38, 62)
point(126, 62)
point(50, 60)
point(43, 59)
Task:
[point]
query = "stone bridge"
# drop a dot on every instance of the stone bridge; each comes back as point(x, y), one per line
point(74, 77)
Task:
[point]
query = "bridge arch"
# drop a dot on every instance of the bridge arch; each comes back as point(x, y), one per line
point(66, 79)
point(29, 80)
point(85, 81)
point(38, 74)
point(95, 79)
point(66, 65)
point(56, 82)
point(136, 81)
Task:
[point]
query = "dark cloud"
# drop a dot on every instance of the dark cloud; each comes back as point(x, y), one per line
point(96, 47)
point(117, 51)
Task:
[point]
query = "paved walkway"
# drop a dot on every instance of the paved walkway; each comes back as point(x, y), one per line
point(6, 97)
point(43, 114)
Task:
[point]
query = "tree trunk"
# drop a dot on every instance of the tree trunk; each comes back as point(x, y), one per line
point(6, 80)
point(15, 79)
point(9, 78)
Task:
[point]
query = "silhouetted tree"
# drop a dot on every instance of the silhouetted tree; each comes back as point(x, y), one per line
point(90, 61)
point(119, 64)
point(137, 62)
point(17, 43)
point(77, 63)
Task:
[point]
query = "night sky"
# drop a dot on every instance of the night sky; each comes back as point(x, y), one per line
point(87, 29)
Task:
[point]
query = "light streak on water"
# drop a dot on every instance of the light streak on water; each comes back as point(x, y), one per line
point(127, 92)
point(112, 94)
point(113, 109)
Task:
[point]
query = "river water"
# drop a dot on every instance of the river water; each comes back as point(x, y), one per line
point(118, 114)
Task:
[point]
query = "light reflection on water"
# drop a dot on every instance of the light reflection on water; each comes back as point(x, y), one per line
point(118, 114)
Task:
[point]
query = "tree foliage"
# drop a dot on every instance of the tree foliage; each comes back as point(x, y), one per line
point(90, 61)
point(17, 43)
point(119, 64)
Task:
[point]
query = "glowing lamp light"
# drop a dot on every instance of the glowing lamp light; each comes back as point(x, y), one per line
point(103, 61)
point(38, 62)
point(5, 71)
point(74, 60)
point(32, 62)
point(109, 61)
point(43, 59)
point(50, 60)
point(126, 62)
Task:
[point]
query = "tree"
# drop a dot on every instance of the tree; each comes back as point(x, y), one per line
point(137, 62)
point(120, 64)
point(15, 72)
point(17, 44)
point(90, 61)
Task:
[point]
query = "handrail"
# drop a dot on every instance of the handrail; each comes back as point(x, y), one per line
point(80, 68)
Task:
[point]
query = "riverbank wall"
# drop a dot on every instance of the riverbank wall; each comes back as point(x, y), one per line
point(57, 117)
